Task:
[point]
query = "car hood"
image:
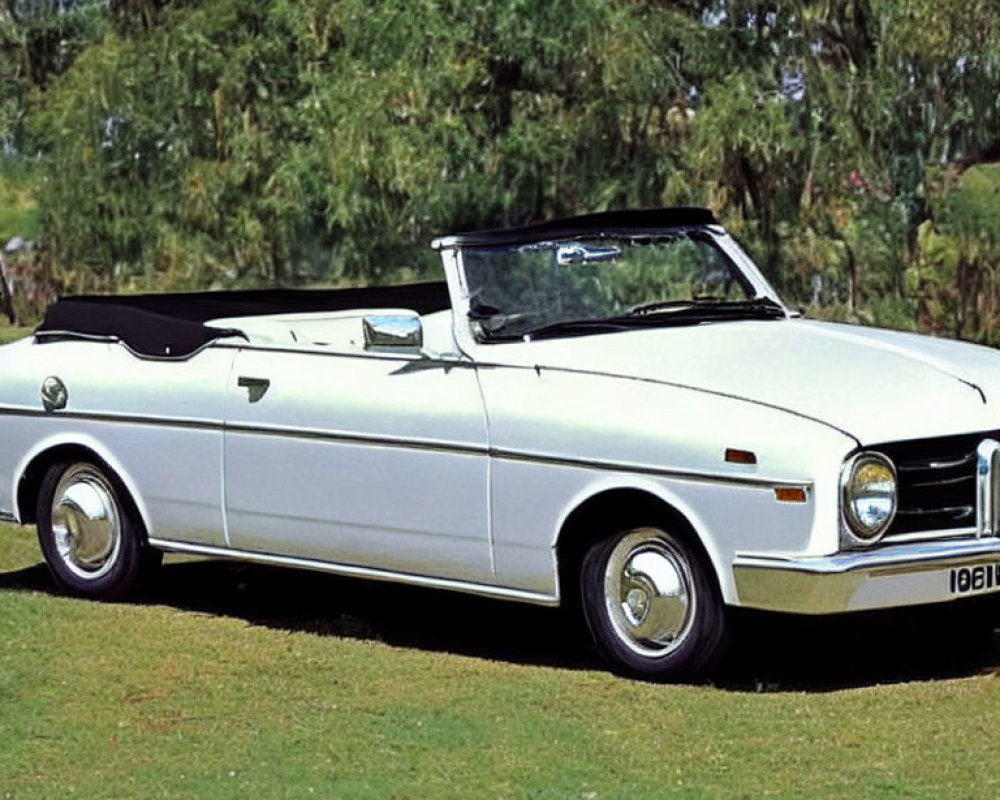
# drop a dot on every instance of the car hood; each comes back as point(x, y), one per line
point(872, 384)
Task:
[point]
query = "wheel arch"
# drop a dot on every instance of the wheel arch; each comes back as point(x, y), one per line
point(618, 508)
point(36, 463)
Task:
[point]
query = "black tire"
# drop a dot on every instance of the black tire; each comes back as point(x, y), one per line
point(651, 606)
point(90, 534)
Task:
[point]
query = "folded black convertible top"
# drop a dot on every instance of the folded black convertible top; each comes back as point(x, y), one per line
point(173, 325)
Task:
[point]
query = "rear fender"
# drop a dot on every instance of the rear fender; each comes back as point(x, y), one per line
point(77, 441)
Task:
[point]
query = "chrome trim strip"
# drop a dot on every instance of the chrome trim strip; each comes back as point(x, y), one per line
point(917, 466)
point(426, 445)
point(987, 472)
point(933, 535)
point(423, 358)
point(41, 336)
point(501, 592)
point(7, 516)
point(901, 575)
point(44, 337)
point(661, 472)
point(884, 558)
point(275, 430)
point(343, 437)
point(128, 419)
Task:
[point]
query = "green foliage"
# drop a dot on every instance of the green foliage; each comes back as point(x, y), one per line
point(276, 142)
point(39, 40)
point(188, 144)
point(958, 249)
point(18, 208)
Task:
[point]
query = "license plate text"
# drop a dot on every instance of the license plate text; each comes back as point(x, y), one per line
point(964, 580)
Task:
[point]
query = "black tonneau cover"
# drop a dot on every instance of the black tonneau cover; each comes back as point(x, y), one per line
point(172, 325)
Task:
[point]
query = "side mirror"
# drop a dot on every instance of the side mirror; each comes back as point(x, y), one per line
point(393, 333)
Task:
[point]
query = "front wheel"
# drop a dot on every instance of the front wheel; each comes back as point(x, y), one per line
point(89, 534)
point(650, 605)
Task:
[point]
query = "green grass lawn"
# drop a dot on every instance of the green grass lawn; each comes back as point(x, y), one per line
point(226, 681)
point(10, 333)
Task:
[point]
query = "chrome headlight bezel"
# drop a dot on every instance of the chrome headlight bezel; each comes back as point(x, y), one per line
point(857, 532)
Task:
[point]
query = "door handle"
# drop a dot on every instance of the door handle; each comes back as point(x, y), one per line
point(256, 387)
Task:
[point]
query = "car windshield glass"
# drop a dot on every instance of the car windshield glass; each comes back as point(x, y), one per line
point(579, 286)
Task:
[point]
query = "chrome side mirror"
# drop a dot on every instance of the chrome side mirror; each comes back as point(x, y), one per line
point(393, 333)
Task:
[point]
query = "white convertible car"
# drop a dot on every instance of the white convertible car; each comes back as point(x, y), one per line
point(613, 412)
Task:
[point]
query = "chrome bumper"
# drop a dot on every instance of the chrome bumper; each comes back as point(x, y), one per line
point(899, 575)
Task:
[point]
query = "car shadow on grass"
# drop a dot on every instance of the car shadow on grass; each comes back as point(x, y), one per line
point(772, 652)
point(769, 653)
point(395, 614)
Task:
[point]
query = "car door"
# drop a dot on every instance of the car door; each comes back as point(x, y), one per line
point(367, 459)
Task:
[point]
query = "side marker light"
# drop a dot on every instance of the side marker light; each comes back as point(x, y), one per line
point(790, 495)
point(734, 456)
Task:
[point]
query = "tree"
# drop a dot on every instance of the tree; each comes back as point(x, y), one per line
point(189, 143)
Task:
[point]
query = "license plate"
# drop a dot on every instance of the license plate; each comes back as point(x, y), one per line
point(968, 580)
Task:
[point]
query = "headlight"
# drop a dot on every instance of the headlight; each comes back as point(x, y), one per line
point(868, 494)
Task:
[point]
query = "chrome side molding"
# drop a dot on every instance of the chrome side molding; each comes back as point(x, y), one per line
point(987, 496)
point(352, 571)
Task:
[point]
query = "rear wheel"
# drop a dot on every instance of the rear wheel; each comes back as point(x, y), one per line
point(89, 533)
point(650, 605)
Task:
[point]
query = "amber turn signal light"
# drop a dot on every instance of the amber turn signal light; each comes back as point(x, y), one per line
point(734, 456)
point(790, 495)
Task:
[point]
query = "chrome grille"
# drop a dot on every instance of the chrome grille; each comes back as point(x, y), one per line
point(937, 482)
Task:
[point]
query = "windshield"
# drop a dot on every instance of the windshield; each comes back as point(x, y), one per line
point(581, 285)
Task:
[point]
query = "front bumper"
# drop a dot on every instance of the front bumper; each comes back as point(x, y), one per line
point(898, 575)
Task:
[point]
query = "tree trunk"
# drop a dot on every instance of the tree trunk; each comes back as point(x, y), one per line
point(6, 301)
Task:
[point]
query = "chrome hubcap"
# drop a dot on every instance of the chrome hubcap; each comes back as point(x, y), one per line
point(648, 591)
point(86, 526)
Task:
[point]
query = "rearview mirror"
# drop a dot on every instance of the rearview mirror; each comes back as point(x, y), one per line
point(568, 254)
